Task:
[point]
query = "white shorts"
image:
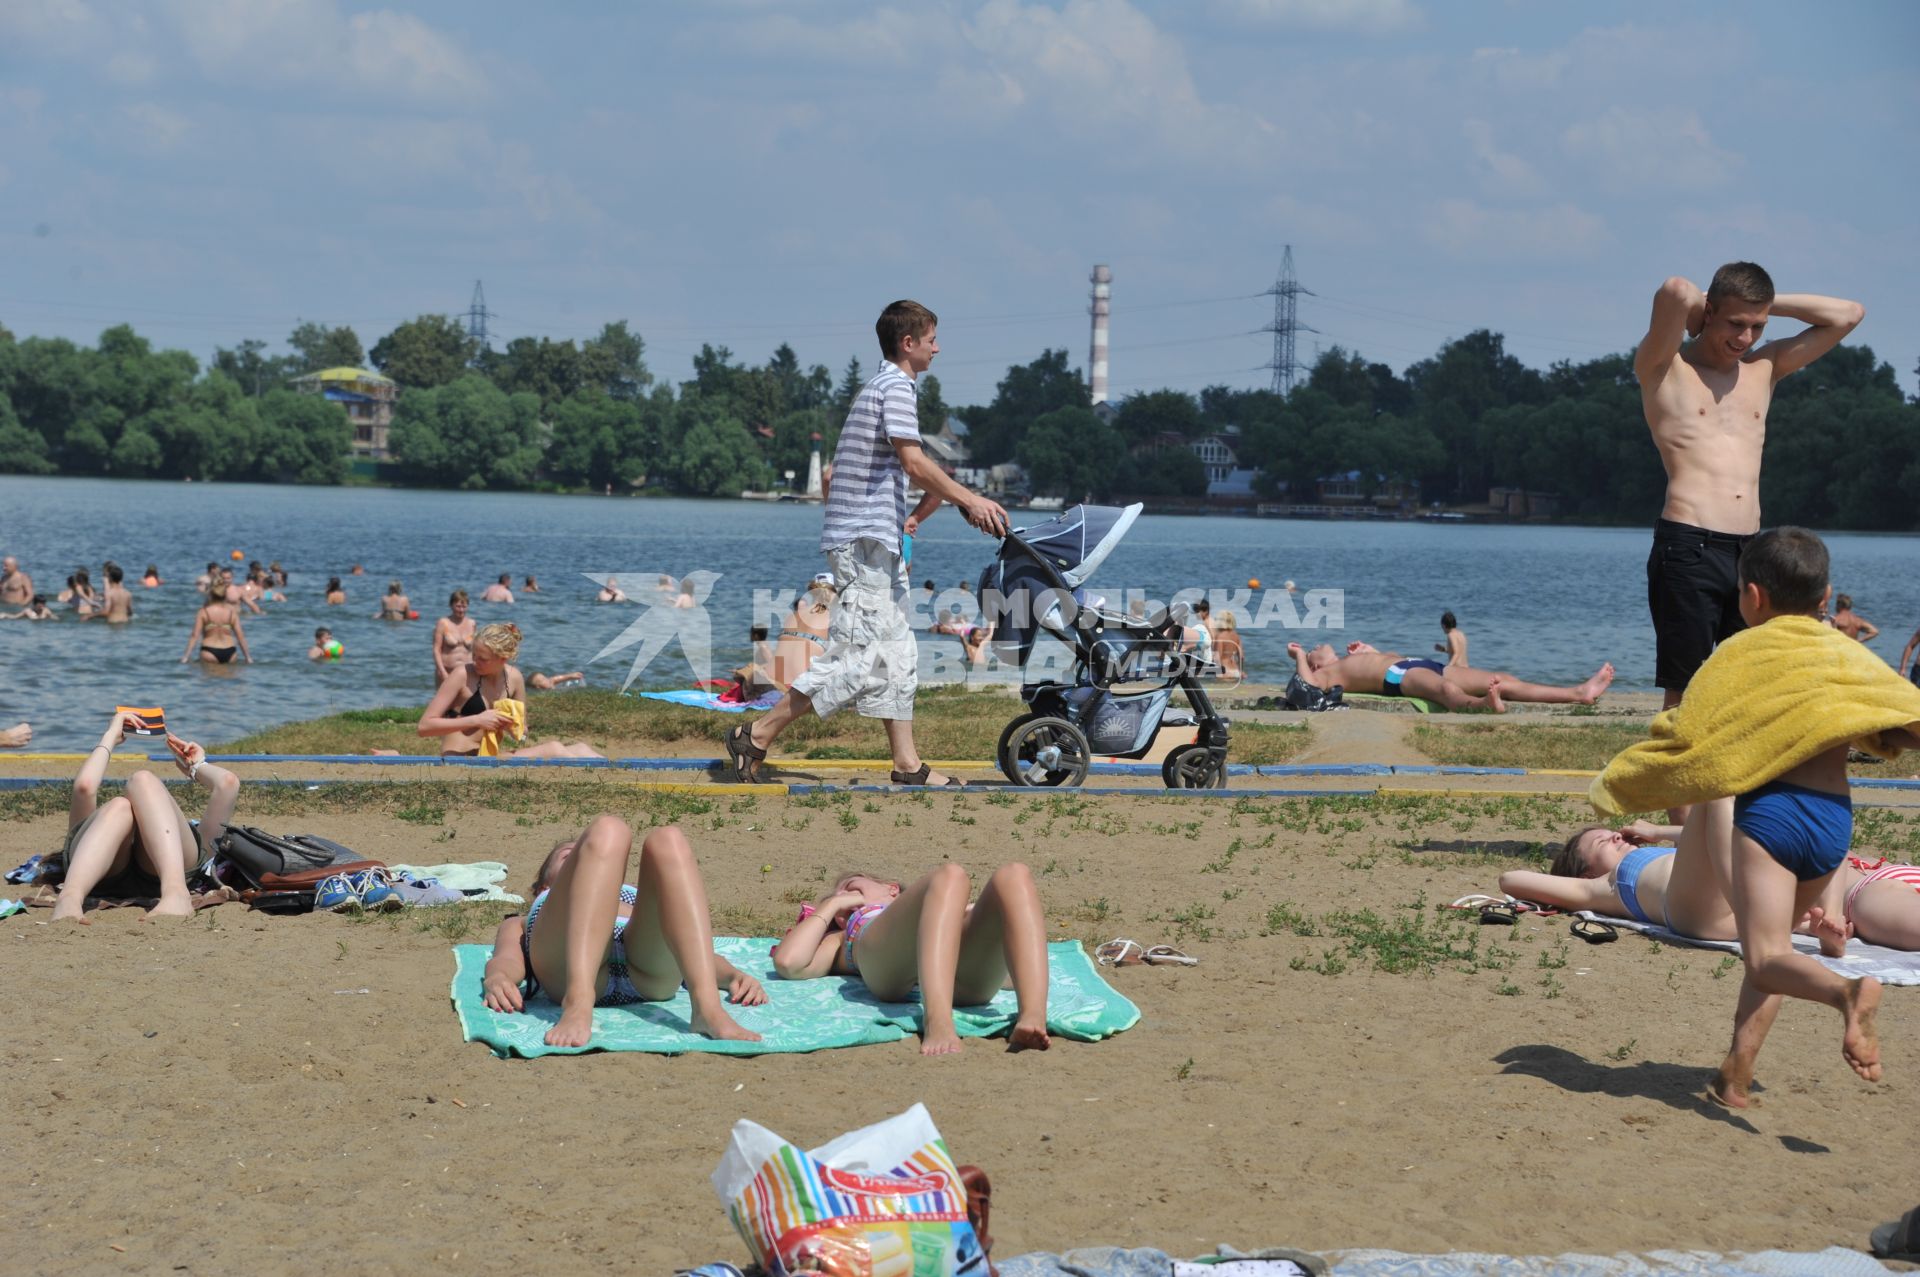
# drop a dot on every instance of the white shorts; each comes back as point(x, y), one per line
point(870, 661)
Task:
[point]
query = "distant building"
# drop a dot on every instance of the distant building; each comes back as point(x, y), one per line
point(1218, 453)
point(1518, 503)
point(368, 398)
point(948, 446)
point(1349, 489)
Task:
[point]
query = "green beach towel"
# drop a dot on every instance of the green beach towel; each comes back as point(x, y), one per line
point(800, 1015)
point(1419, 703)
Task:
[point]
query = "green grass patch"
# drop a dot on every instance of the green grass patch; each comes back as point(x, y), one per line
point(1412, 938)
point(1577, 747)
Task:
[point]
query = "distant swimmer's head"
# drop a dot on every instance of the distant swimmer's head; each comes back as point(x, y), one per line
point(908, 335)
point(506, 578)
point(115, 576)
point(1590, 853)
point(393, 587)
point(1447, 621)
point(1843, 602)
point(1783, 572)
point(497, 644)
point(1739, 300)
point(216, 590)
point(321, 635)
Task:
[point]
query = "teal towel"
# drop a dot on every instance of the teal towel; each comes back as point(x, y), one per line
point(800, 1015)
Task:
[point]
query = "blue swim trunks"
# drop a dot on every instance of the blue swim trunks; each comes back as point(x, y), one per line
point(1806, 830)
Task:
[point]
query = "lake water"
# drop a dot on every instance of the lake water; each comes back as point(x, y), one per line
point(1548, 603)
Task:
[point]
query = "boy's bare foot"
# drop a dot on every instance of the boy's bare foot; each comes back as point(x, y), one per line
point(1494, 702)
point(172, 907)
point(1028, 1036)
point(1590, 691)
point(1861, 1041)
point(1830, 931)
point(715, 1023)
point(945, 1043)
point(1731, 1087)
point(575, 1027)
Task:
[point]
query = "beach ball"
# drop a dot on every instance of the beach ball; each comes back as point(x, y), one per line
point(413, 616)
point(236, 556)
point(1253, 583)
point(333, 650)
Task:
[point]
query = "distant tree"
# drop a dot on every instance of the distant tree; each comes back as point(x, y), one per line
point(424, 352)
point(599, 440)
point(1070, 452)
point(251, 368)
point(1026, 393)
point(467, 434)
point(317, 346)
point(1145, 417)
point(714, 373)
point(615, 361)
point(932, 408)
point(716, 456)
point(549, 370)
point(1170, 472)
point(303, 439)
point(21, 450)
point(851, 380)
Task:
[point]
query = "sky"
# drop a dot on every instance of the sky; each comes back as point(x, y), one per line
point(746, 172)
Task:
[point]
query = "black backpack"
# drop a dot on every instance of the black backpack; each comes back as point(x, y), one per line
point(262, 858)
point(1304, 695)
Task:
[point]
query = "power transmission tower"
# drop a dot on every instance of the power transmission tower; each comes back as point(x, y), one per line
point(477, 316)
point(1286, 324)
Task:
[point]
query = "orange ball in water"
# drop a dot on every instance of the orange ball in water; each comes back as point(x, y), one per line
point(1253, 583)
point(236, 556)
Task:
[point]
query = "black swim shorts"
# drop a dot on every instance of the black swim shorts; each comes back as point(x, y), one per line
point(1693, 592)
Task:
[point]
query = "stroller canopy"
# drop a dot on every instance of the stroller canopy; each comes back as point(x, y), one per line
point(1056, 556)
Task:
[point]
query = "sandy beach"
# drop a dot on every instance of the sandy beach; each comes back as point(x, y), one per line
point(248, 1093)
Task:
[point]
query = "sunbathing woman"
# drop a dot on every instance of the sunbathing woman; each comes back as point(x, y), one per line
point(1873, 899)
point(473, 688)
point(927, 934)
point(140, 844)
point(216, 629)
point(661, 937)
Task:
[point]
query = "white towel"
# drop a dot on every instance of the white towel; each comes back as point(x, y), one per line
point(1889, 966)
point(478, 880)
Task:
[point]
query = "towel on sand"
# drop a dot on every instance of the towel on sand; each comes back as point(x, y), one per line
point(800, 1015)
point(479, 880)
point(1889, 966)
point(701, 698)
point(516, 731)
point(1766, 701)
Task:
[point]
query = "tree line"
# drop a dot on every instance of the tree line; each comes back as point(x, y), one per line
point(1843, 442)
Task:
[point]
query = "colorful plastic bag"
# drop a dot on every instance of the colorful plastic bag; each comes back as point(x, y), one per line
point(883, 1201)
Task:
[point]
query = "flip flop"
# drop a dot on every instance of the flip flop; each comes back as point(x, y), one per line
point(1119, 953)
point(1165, 955)
point(1499, 913)
point(1594, 931)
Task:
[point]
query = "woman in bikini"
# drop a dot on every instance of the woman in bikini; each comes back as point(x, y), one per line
point(335, 595)
point(462, 711)
point(79, 594)
point(151, 580)
point(394, 605)
point(661, 937)
point(452, 638)
point(803, 635)
point(893, 938)
point(139, 843)
point(1665, 874)
point(216, 629)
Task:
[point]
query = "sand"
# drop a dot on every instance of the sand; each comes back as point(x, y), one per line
point(242, 1093)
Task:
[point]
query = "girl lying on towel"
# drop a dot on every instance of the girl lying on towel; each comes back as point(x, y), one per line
point(140, 843)
point(481, 706)
point(892, 938)
point(1666, 874)
point(590, 940)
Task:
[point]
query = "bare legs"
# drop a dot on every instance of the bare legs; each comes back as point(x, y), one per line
point(1463, 687)
point(668, 940)
point(142, 828)
point(766, 729)
point(556, 749)
point(928, 936)
point(1767, 898)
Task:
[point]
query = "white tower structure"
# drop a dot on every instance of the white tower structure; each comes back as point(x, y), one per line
point(1097, 360)
point(814, 491)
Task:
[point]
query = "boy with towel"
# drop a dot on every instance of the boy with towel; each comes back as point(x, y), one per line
point(1769, 718)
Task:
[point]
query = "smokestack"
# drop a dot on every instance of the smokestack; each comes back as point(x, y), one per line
point(1097, 361)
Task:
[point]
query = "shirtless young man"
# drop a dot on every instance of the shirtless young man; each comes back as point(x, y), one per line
point(500, 591)
point(1706, 404)
point(1850, 622)
point(1363, 669)
point(1456, 645)
point(116, 602)
point(452, 638)
point(16, 587)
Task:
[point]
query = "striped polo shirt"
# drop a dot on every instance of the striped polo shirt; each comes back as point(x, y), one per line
point(868, 495)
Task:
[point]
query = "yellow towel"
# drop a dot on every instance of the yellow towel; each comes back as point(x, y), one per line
point(1766, 701)
point(516, 710)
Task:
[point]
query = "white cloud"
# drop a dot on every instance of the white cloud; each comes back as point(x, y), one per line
point(1515, 69)
point(1367, 17)
point(1637, 147)
point(1467, 229)
point(1505, 172)
point(886, 37)
point(63, 28)
point(153, 127)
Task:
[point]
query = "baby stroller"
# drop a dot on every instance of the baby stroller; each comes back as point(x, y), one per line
point(1034, 586)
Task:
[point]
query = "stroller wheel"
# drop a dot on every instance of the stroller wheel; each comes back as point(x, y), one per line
point(1194, 767)
point(1044, 751)
point(1001, 754)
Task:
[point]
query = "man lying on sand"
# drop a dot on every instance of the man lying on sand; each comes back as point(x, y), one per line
point(1455, 686)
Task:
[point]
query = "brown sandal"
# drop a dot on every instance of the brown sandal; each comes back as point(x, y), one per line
point(919, 777)
point(745, 756)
